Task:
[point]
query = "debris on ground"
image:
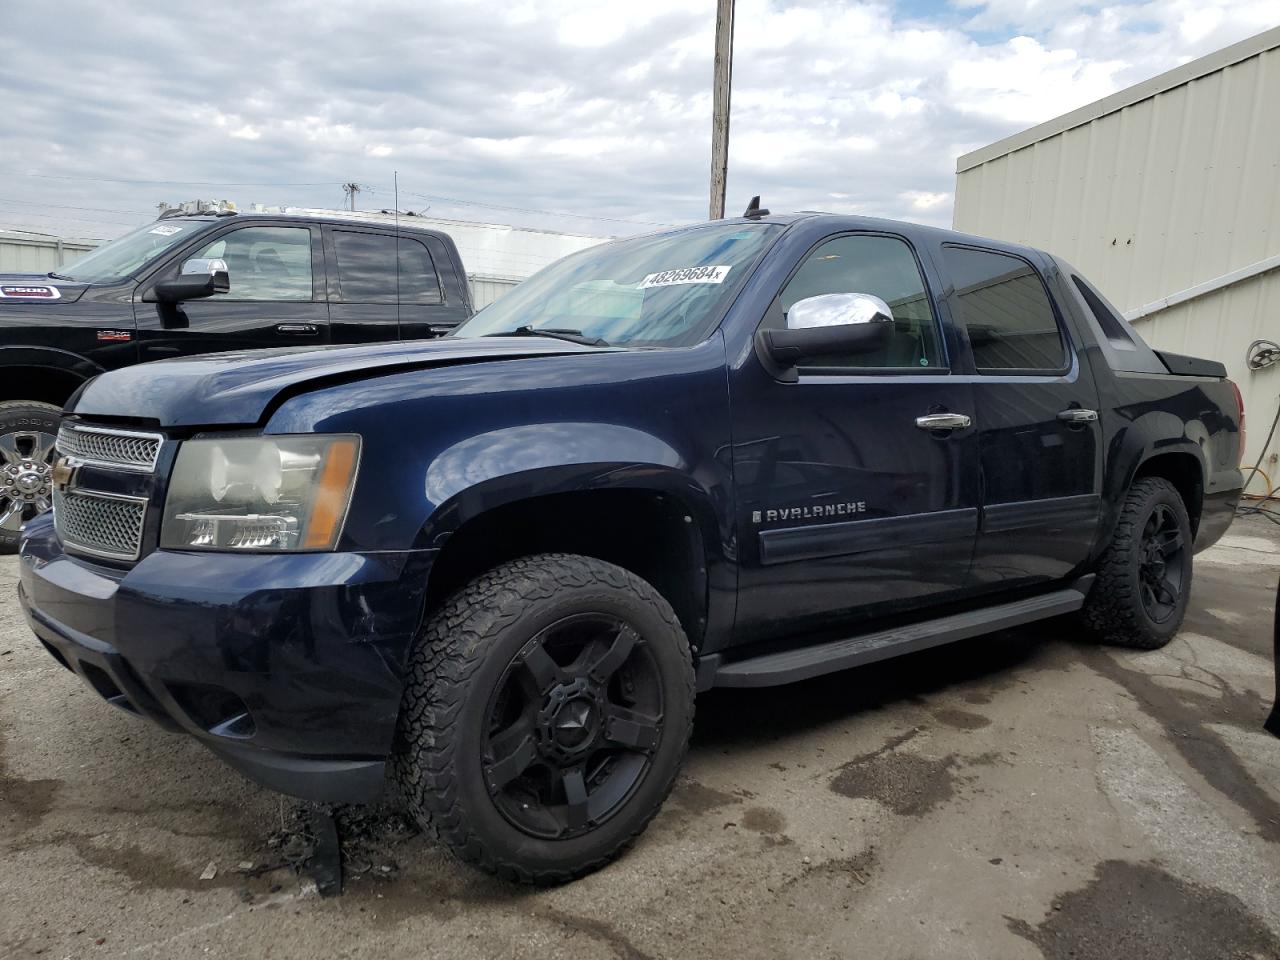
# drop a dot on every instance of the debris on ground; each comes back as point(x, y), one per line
point(366, 839)
point(209, 872)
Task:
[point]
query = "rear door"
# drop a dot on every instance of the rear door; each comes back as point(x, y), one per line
point(845, 503)
point(276, 297)
point(362, 285)
point(1036, 414)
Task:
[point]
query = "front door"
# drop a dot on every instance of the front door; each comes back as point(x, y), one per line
point(845, 503)
point(1037, 421)
point(276, 297)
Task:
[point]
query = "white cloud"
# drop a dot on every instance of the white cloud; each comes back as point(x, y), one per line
point(587, 106)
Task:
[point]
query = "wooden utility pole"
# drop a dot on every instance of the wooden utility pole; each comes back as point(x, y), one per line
point(351, 189)
point(721, 84)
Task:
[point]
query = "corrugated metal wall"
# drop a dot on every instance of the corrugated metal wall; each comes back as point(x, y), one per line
point(22, 253)
point(485, 290)
point(1171, 191)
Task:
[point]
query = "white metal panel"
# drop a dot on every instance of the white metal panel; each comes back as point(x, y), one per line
point(1154, 191)
point(485, 290)
point(24, 253)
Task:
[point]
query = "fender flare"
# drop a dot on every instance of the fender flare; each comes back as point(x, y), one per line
point(49, 358)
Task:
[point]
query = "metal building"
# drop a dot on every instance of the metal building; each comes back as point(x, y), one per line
point(1167, 196)
point(22, 252)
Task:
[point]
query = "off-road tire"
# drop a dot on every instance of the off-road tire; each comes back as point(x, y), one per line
point(19, 416)
point(1114, 612)
point(453, 670)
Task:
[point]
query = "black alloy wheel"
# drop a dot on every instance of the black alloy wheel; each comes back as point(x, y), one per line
point(1161, 567)
point(572, 726)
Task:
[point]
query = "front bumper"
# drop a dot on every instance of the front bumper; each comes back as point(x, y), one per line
point(288, 666)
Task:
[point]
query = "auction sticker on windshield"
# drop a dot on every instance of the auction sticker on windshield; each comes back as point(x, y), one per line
point(670, 278)
point(166, 230)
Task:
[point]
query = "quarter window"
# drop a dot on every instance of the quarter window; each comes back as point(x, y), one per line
point(418, 280)
point(885, 267)
point(265, 263)
point(1007, 312)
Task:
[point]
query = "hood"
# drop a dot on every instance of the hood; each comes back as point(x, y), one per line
point(238, 388)
point(28, 288)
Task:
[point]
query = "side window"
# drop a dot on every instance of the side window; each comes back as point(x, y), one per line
point(1004, 306)
point(265, 263)
point(366, 266)
point(418, 280)
point(885, 267)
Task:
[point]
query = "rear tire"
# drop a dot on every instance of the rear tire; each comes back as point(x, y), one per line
point(27, 433)
point(547, 709)
point(1144, 577)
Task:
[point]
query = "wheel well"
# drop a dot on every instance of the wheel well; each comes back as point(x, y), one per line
point(1183, 471)
point(651, 534)
point(42, 384)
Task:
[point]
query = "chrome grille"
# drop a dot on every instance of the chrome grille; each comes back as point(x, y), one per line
point(100, 523)
point(122, 449)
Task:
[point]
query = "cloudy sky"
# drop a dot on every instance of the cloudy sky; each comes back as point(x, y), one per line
point(578, 115)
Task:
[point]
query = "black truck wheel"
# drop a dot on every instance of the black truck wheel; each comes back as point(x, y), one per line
point(27, 433)
point(547, 709)
point(1144, 577)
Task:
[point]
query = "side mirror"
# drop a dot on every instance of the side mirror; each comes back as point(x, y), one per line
point(828, 325)
point(198, 277)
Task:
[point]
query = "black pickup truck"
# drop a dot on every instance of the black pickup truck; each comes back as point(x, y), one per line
point(200, 284)
point(498, 565)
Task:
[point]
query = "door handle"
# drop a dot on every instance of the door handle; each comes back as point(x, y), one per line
point(1076, 415)
point(297, 329)
point(943, 421)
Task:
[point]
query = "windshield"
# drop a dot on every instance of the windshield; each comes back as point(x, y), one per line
point(662, 290)
point(124, 256)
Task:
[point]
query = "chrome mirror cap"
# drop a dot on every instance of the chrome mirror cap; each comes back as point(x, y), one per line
point(837, 309)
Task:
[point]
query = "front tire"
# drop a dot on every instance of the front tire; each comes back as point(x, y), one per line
point(27, 433)
point(1144, 577)
point(546, 712)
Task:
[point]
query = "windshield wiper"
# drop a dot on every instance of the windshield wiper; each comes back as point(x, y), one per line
point(60, 276)
point(557, 333)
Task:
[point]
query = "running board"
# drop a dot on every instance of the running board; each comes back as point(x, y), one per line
point(788, 666)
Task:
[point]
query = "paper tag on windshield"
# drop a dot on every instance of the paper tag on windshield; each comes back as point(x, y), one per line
point(670, 278)
point(166, 230)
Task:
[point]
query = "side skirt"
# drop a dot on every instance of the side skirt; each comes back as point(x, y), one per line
point(788, 666)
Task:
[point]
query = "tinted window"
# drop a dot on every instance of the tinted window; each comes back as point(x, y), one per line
point(885, 267)
point(265, 263)
point(418, 280)
point(1006, 310)
point(366, 267)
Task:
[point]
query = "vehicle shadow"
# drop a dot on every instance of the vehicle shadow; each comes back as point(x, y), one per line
point(975, 667)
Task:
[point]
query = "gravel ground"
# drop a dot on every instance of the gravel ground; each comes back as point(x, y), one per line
point(1020, 795)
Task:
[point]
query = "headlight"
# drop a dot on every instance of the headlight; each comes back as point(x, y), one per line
point(260, 493)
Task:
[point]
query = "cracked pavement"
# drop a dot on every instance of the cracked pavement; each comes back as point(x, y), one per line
point(1019, 795)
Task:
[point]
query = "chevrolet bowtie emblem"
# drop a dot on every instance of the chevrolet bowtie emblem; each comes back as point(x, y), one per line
point(63, 472)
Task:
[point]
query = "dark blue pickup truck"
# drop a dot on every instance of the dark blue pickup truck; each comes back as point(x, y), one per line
point(495, 568)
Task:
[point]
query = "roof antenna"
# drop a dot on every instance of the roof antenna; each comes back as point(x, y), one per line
point(753, 211)
point(395, 179)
